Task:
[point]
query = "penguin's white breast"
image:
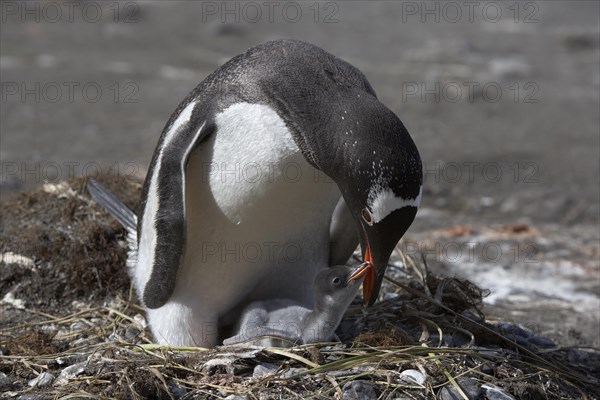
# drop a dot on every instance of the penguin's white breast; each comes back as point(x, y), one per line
point(257, 213)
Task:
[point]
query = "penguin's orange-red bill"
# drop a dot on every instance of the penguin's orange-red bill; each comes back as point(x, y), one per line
point(366, 270)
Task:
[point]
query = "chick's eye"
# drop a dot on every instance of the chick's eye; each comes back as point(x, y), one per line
point(366, 216)
point(336, 280)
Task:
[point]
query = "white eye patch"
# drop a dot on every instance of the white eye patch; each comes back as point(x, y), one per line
point(383, 201)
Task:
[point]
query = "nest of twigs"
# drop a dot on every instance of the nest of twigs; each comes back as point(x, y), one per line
point(71, 328)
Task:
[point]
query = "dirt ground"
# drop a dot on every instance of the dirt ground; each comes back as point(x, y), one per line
point(71, 326)
point(503, 108)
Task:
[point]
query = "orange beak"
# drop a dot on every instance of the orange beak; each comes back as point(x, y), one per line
point(366, 269)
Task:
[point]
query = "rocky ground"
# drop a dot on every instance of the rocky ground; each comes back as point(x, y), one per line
point(70, 324)
point(511, 202)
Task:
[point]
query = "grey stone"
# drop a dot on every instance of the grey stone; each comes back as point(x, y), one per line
point(509, 68)
point(221, 29)
point(264, 369)
point(43, 379)
point(434, 339)
point(4, 381)
point(359, 390)
point(541, 341)
point(494, 392)
point(78, 326)
point(70, 373)
point(34, 396)
point(65, 361)
point(50, 329)
point(469, 386)
point(176, 389)
point(390, 296)
point(520, 341)
point(447, 339)
point(131, 333)
point(514, 329)
point(577, 356)
point(412, 377)
point(226, 363)
point(237, 397)
point(486, 369)
point(460, 340)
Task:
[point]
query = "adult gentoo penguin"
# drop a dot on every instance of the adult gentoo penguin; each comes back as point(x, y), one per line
point(272, 169)
point(284, 322)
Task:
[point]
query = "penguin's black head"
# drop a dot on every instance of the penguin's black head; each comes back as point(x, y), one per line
point(347, 133)
point(381, 181)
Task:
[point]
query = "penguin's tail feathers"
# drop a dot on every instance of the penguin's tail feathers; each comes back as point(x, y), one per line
point(113, 205)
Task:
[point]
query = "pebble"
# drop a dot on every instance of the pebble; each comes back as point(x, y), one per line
point(581, 41)
point(264, 369)
point(520, 341)
point(510, 67)
point(486, 201)
point(124, 335)
point(4, 381)
point(359, 390)
point(79, 326)
point(390, 296)
point(494, 392)
point(486, 369)
point(514, 329)
point(34, 396)
point(469, 386)
point(70, 373)
point(43, 379)
point(229, 362)
point(460, 340)
point(541, 341)
point(212, 366)
point(227, 29)
point(131, 334)
point(237, 397)
point(176, 389)
point(577, 356)
point(67, 360)
point(449, 340)
point(412, 376)
point(50, 329)
point(114, 337)
point(10, 299)
point(13, 258)
point(523, 336)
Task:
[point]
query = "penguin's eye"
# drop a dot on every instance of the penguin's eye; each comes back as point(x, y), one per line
point(366, 216)
point(336, 281)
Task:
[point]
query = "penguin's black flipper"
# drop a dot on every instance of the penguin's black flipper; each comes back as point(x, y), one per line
point(112, 204)
point(163, 215)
